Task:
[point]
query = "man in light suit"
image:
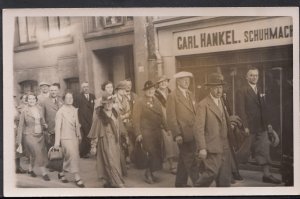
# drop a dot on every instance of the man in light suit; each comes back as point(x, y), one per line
point(49, 107)
point(211, 129)
point(251, 107)
point(85, 102)
point(181, 114)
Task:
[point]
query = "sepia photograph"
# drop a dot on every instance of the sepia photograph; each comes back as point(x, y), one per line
point(112, 98)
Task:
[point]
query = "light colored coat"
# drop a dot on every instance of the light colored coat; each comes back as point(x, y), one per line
point(208, 126)
point(67, 125)
point(27, 123)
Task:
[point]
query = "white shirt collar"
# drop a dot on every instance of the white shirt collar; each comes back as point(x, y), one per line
point(184, 91)
point(253, 86)
point(216, 100)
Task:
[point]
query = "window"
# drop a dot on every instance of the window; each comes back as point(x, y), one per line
point(27, 29)
point(57, 26)
point(28, 86)
point(112, 21)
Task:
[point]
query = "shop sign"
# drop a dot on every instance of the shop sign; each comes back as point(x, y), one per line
point(244, 35)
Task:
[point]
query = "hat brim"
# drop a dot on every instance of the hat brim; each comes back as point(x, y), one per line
point(161, 80)
point(44, 84)
point(147, 88)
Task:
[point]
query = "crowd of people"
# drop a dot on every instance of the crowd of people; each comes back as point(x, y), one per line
point(193, 138)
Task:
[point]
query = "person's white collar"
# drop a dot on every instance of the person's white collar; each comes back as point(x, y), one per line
point(216, 100)
point(253, 86)
point(184, 91)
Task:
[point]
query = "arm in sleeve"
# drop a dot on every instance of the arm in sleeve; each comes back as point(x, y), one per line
point(21, 128)
point(136, 117)
point(77, 125)
point(171, 115)
point(58, 124)
point(241, 108)
point(199, 126)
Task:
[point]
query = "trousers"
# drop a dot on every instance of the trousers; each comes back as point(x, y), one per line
point(187, 166)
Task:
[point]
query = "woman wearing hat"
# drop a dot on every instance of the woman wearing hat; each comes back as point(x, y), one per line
point(148, 121)
point(106, 131)
point(170, 147)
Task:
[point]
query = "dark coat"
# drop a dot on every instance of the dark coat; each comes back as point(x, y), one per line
point(208, 127)
point(85, 111)
point(161, 98)
point(252, 109)
point(181, 115)
point(148, 121)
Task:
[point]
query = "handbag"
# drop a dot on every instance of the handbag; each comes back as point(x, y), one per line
point(139, 156)
point(55, 154)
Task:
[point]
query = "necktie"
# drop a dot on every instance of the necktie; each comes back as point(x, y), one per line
point(220, 105)
point(255, 90)
point(87, 96)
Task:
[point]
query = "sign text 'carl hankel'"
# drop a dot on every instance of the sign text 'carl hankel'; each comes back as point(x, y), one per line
point(254, 34)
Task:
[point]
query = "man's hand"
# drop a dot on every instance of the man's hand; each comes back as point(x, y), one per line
point(247, 132)
point(202, 154)
point(179, 139)
point(139, 138)
point(45, 126)
point(235, 121)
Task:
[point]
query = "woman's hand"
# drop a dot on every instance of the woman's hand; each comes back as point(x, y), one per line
point(56, 146)
point(139, 138)
point(45, 126)
point(93, 151)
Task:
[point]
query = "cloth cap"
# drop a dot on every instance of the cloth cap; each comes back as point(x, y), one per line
point(122, 85)
point(215, 79)
point(183, 74)
point(44, 83)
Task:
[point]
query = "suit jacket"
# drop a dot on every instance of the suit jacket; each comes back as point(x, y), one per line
point(252, 109)
point(208, 128)
point(181, 115)
point(27, 123)
point(67, 126)
point(49, 109)
point(85, 110)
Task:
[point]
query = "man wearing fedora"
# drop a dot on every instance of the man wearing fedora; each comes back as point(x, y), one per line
point(251, 107)
point(211, 129)
point(85, 102)
point(181, 114)
point(44, 88)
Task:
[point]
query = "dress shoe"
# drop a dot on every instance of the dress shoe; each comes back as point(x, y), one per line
point(20, 170)
point(237, 177)
point(46, 177)
point(271, 179)
point(154, 178)
point(32, 174)
point(62, 178)
point(79, 183)
point(148, 179)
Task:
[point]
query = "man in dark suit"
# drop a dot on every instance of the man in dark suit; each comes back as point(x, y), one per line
point(251, 108)
point(211, 129)
point(180, 119)
point(85, 102)
point(49, 107)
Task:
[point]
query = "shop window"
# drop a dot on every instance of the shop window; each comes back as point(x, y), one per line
point(26, 27)
point(73, 84)
point(29, 86)
point(57, 26)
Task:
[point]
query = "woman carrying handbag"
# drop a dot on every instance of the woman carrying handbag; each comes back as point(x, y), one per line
point(67, 136)
point(148, 121)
